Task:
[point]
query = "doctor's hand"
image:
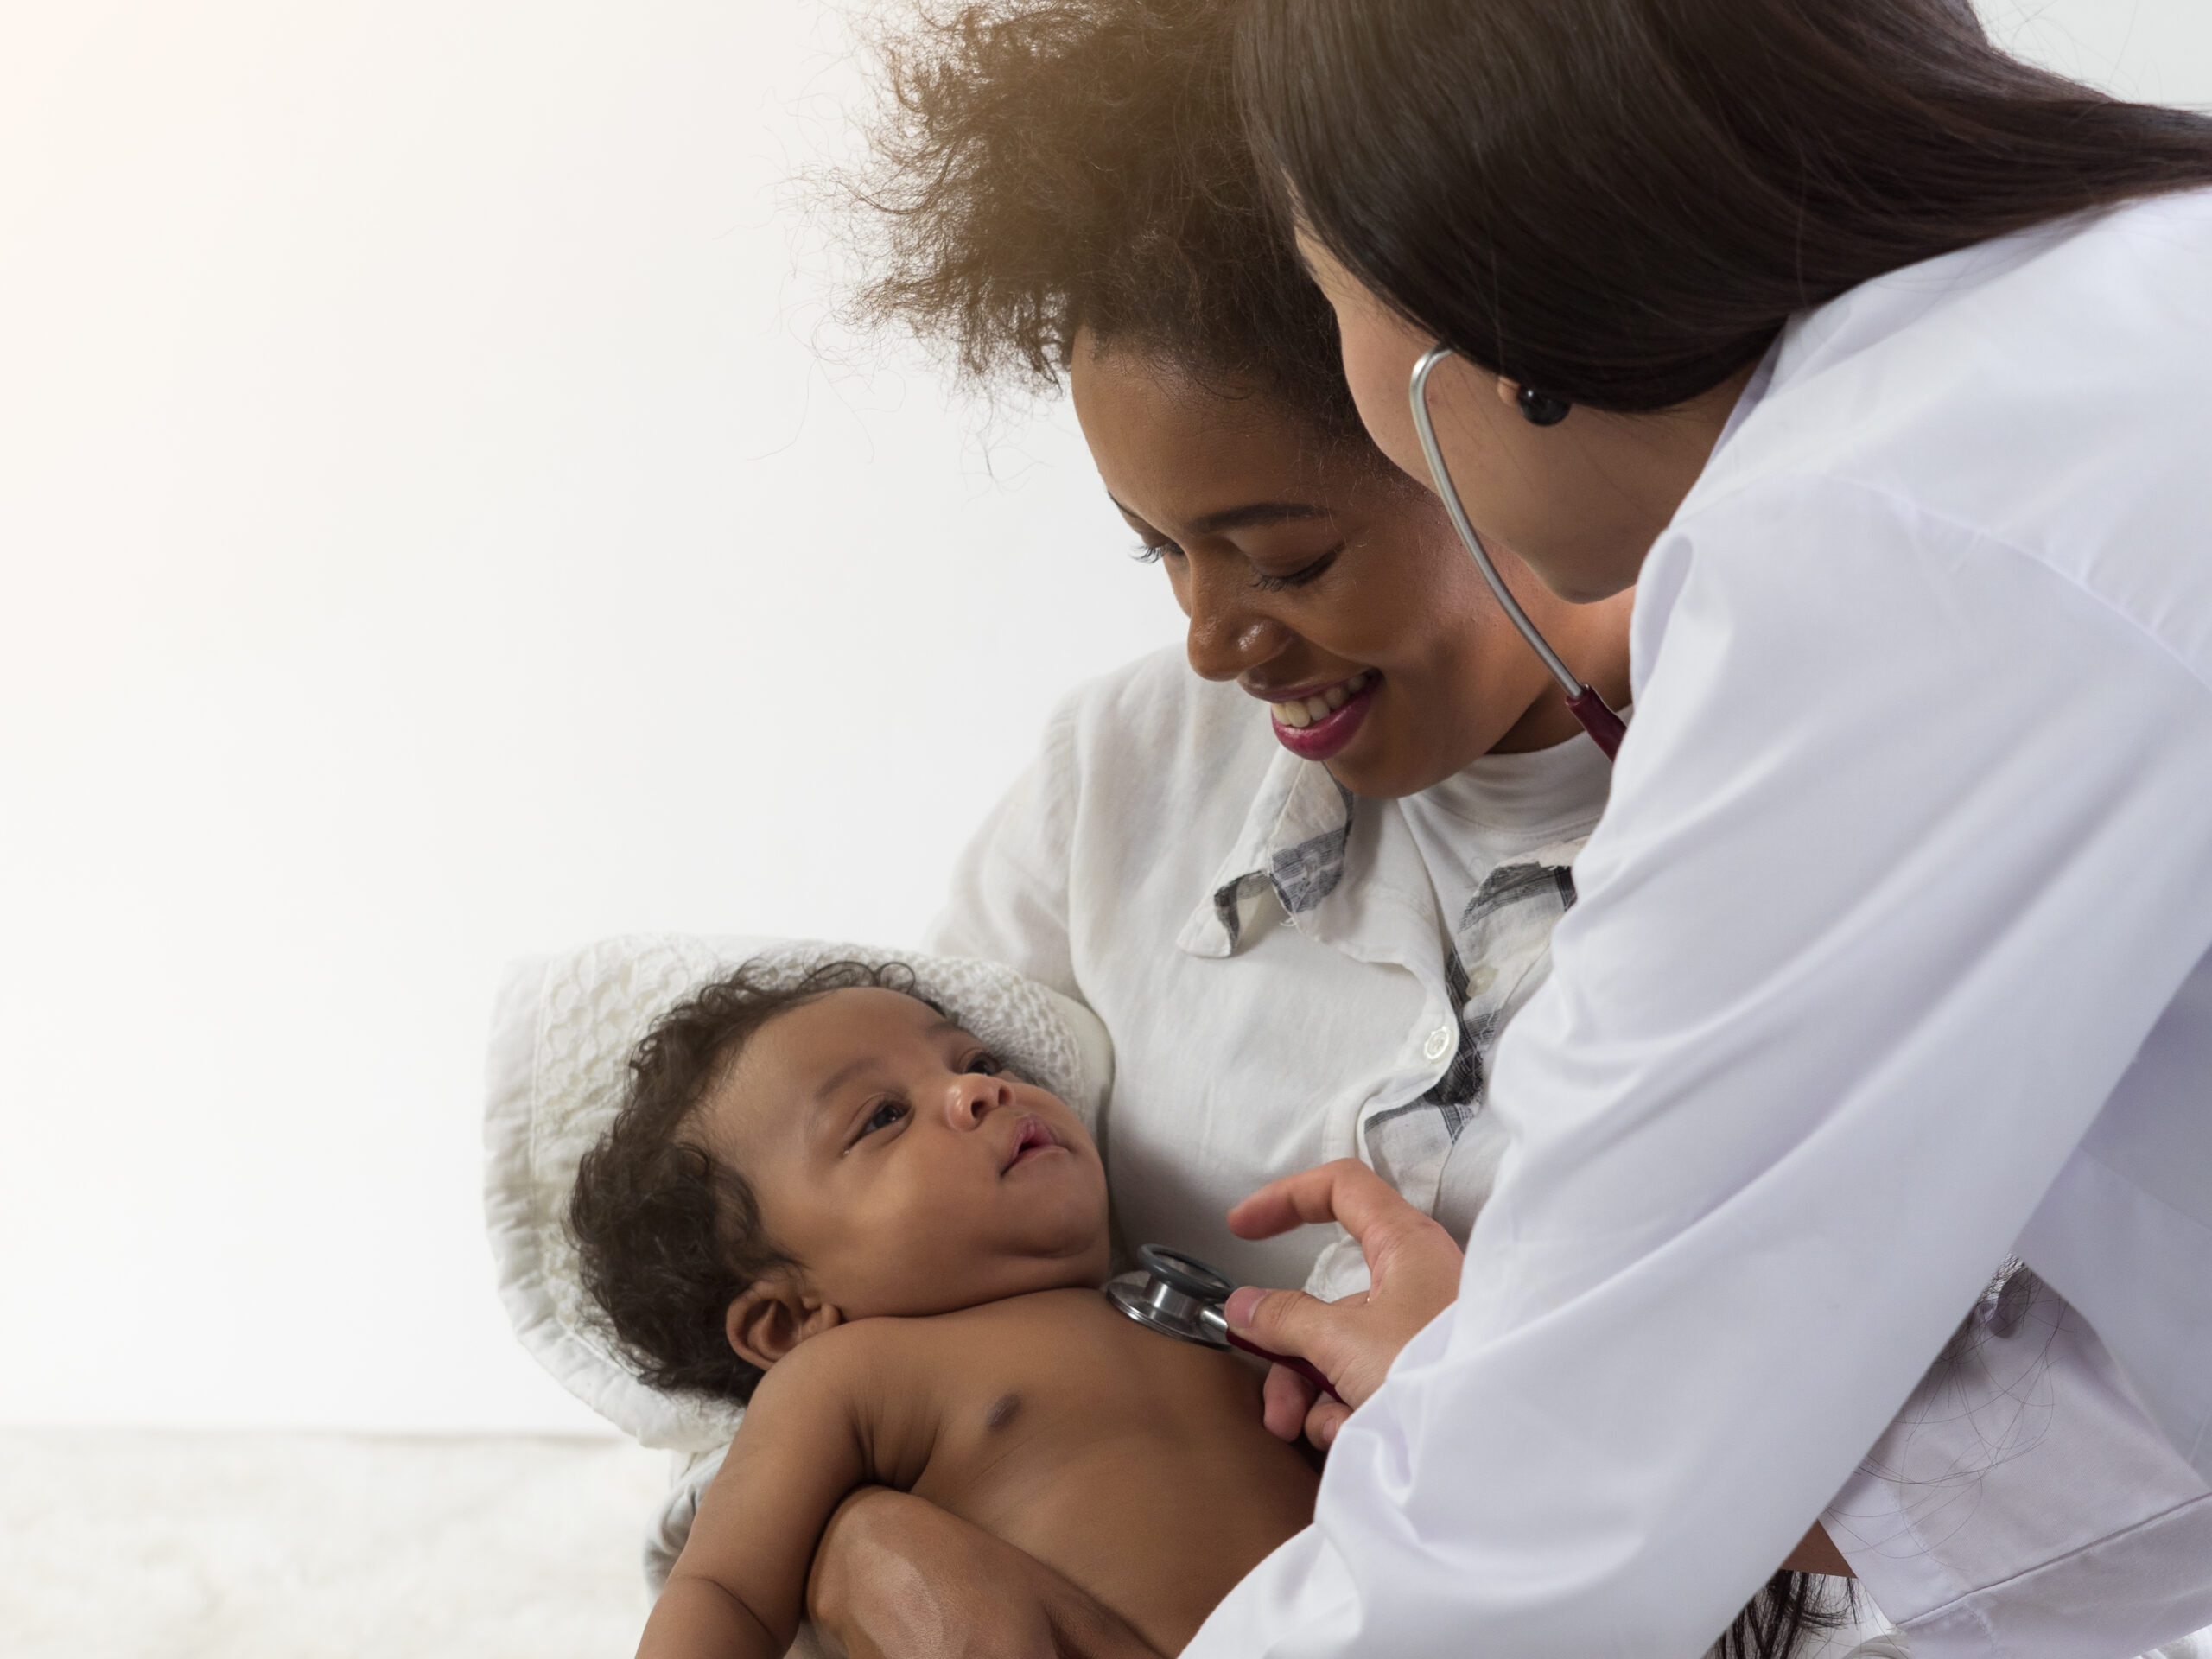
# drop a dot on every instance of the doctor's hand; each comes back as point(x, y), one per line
point(1413, 1271)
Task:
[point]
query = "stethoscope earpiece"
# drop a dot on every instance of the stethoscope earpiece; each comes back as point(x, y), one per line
point(1541, 408)
point(1180, 1296)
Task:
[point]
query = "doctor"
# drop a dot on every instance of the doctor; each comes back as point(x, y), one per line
point(1880, 362)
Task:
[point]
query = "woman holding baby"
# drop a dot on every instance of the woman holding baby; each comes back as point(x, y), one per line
point(1899, 880)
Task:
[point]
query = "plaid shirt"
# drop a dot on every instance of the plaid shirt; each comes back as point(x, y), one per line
point(1438, 1149)
point(1281, 981)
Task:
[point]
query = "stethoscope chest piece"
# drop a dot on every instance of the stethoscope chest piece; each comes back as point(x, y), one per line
point(1180, 1296)
point(1175, 1294)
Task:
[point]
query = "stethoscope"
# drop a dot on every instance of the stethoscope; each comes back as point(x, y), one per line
point(1603, 725)
point(1180, 1296)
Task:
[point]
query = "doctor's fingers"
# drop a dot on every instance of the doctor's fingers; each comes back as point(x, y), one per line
point(1409, 1256)
point(1346, 1191)
point(1290, 1406)
point(1286, 1402)
point(1351, 1341)
point(1323, 1421)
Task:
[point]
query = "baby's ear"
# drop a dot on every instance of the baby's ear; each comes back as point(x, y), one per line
point(773, 1316)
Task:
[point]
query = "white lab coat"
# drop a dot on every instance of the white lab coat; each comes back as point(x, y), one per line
point(1890, 958)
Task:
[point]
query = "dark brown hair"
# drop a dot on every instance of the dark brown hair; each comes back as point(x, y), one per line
point(1049, 166)
point(1621, 201)
point(669, 1236)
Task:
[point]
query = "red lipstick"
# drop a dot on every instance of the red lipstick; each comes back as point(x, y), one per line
point(1329, 735)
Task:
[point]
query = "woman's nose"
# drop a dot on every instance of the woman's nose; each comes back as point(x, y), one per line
point(973, 1097)
point(1227, 635)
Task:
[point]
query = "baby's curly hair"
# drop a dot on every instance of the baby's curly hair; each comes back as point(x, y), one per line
point(1048, 166)
point(669, 1236)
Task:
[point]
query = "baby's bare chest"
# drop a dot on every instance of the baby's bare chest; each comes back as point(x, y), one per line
point(1047, 1375)
point(1134, 1463)
point(1058, 1399)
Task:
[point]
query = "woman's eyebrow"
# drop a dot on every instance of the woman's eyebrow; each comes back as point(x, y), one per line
point(1241, 518)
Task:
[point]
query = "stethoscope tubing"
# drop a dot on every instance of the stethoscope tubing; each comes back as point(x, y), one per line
point(1603, 725)
point(1312, 1373)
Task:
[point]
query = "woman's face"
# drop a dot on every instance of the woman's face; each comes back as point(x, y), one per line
point(1327, 586)
point(1581, 502)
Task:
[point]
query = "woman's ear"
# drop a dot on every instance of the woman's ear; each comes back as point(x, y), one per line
point(773, 1316)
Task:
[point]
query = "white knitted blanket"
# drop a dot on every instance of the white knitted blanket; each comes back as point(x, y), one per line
point(562, 1034)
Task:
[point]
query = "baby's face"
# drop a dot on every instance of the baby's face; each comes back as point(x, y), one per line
point(905, 1172)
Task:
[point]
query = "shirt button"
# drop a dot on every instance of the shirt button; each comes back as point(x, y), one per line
point(1439, 1041)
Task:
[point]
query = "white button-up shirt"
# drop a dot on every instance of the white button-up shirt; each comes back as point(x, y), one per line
point(1890, 958)
point(1286, 977)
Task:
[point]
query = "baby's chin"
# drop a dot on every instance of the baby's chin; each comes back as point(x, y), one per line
point(1075, 1265)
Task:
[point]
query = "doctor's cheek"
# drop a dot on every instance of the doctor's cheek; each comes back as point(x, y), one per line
point(1379, 355)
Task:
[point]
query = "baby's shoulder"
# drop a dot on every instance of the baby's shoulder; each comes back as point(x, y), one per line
point(948, 1356)
point(1072, 1344)
point(1083, 1314)
point(846, 1369)
point(905, 1378)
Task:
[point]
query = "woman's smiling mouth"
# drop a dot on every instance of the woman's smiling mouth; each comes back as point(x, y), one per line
point(1317, 725)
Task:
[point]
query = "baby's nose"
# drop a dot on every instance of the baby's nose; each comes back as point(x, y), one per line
point(975, 1096)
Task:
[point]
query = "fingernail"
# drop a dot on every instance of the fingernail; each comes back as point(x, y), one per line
point(1242, 1303)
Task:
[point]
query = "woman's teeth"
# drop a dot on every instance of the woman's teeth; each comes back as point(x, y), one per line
point(1300, 714)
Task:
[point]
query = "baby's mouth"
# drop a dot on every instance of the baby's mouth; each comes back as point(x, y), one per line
point(1033, 1139)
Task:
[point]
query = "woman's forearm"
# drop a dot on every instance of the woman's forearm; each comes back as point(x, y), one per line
point(897, 1578)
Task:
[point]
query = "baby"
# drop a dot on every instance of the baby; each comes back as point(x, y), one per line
point(832, 1201)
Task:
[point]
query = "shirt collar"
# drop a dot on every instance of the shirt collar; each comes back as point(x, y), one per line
point(1291, 850)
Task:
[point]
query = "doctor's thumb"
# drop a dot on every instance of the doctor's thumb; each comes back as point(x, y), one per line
point(1243, 1302)
point(1289, 1327)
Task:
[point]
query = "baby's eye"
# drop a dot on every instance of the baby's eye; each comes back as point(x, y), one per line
point(887, 1113)
point(984, 1064)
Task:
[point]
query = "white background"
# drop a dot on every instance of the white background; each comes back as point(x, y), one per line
point(428, 533)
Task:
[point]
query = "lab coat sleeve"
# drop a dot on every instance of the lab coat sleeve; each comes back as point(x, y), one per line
point(1009, 896)
point(1905, 855)
point(2023, 1504)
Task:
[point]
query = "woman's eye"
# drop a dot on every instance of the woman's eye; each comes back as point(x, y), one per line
point(1152, 552)
point(1298, 578)
point(886, 1114)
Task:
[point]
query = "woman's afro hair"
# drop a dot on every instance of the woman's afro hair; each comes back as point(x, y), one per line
point(1042, 167)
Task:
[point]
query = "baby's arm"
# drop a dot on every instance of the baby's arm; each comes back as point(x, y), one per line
point(812, 1434)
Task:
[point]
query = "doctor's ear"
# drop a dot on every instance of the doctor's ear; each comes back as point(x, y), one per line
point(773, 1316)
